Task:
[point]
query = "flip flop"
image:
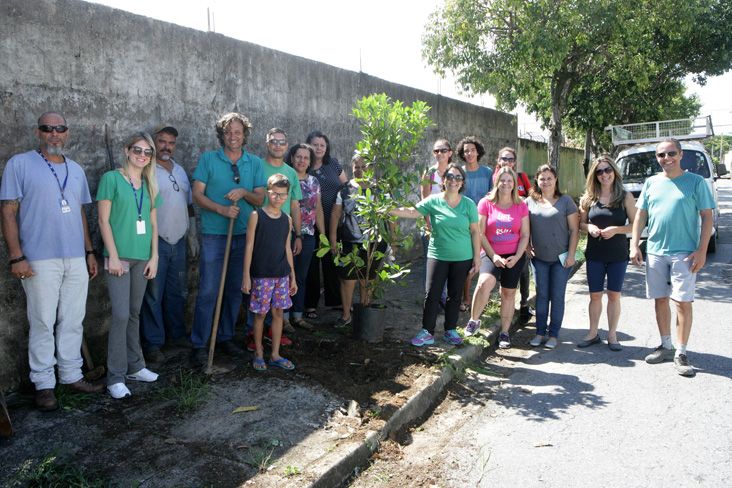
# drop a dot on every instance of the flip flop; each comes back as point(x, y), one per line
point(282, 363)
point(259, 365)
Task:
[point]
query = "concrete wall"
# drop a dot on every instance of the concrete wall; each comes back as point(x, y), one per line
point(533, 154)
point(113, 72)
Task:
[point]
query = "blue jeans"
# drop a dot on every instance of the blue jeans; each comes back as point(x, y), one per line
point(551, 284)
point(302, 264)
point(211, 263)
point(163, 308)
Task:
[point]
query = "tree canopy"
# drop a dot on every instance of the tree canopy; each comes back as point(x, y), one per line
point(587, 62)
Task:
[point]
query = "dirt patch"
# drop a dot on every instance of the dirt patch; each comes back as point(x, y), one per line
point(190, 430)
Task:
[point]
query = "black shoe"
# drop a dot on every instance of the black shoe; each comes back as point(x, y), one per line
point(199, 357)
point(589, 342)
point(154, 355)
point(524, 315)
point(230, 348)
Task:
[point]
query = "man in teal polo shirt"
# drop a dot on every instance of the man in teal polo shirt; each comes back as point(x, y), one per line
point(228, 184)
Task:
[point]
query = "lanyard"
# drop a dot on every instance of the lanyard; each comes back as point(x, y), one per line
point(142, 196)
point(61, 187)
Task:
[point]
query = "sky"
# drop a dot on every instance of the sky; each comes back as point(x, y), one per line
point(379, 37)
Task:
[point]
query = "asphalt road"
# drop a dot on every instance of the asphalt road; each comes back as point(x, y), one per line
point(591, 417)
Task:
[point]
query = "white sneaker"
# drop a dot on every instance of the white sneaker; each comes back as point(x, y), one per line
point(536, 341)
point(143, 375)
point(118, 390)
point(551, 343)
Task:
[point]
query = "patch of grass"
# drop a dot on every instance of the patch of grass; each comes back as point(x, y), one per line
point(482, 370)
point(72, 400)
point(477, 340)
point(292, 471)
point(52, 472)
point(189, 390)
point(260, 455)
point(374, 412)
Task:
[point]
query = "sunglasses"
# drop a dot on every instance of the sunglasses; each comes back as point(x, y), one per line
point(175, 183)
point(138, 151)
point(443, 150)
point(278, 142)
point(453, 177)
point(235, 170)
point(670, 154)
point(607, 171)
point(50, 128)
point(508, 160)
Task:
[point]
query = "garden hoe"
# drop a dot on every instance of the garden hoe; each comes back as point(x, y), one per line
point(217, 313)
point(92, 373)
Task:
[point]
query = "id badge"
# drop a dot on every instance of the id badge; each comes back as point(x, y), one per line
point(140, 227)
point(65, 208)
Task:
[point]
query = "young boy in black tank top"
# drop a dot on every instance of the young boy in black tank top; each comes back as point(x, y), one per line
point(269, 274)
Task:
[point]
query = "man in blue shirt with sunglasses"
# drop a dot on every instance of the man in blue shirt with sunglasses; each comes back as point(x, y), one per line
point(50, 252)
point(227, 184)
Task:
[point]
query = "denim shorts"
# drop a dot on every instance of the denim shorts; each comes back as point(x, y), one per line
point(670, 277)
point(507, 277)
point(269, 293)
point(597, 270)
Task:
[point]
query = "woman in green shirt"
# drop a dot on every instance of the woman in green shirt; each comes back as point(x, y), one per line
point(453, 251)
point(127, 199)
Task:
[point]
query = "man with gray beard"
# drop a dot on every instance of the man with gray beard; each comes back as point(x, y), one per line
point(49, 250)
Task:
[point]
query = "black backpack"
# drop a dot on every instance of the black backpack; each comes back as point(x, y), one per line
point(349, 229)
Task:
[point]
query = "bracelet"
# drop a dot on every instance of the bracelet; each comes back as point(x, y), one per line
point(16, 260)
point(90, 252)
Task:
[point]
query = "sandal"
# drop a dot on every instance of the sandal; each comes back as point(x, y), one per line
point(311, 314)
point(302, 324)
point(259, 365)
point(282, 363)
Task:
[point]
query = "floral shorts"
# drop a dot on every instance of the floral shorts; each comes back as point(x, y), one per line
point(269, 293)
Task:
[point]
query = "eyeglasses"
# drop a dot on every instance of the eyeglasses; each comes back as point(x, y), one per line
point(451, 177)
point(137, 150)
point(175, 183)
point(671, 154)
point(606, 170)
point(443, 150)
point(235, 170)
point(278, 196)
point(508, 160)
point(50, 128)
point(277, 142)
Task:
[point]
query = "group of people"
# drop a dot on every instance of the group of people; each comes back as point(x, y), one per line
point(497, 232)
point(271, 211)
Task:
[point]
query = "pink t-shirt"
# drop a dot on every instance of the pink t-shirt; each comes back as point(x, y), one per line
point(502, 225)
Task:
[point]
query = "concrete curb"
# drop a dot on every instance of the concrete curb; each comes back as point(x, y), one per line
point(413, 409)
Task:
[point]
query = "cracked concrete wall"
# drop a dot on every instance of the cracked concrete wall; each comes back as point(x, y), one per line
point(111, 73)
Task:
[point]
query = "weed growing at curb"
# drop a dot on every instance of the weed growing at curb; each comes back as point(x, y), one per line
point(260, 455)
point(51, 472)
point(189, 390)
point(482, 370)
point(292, 471)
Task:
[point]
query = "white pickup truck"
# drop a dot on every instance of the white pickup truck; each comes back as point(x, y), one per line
point(638, 162)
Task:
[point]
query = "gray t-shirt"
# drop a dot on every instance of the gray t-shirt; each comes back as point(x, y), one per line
point(549, 228)
point(47, 232)
point(173, 212)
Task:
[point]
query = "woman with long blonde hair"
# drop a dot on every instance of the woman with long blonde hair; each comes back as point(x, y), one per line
point(504, 224)
point(606, 214)
point(127, 199)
